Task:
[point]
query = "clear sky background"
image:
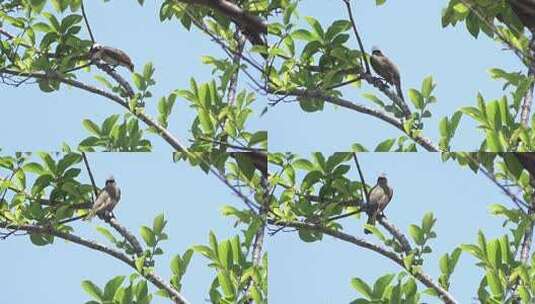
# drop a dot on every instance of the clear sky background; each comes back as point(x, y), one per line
point(410, 33)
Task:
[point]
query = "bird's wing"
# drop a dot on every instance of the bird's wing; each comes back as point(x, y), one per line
point(102, 201)
point(117, 55)
point(374, 195)
point(389, 192)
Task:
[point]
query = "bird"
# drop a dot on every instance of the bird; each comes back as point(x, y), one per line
point(385, 68)
point(107, 199)
point(111, 56)
point(378, 198)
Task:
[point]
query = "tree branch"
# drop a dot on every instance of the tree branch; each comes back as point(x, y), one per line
point(444, 295)
point(165, 134)
point(150, 276)
point(422, 141)
point(246, 22)
point(126, 234)
point(528, 98)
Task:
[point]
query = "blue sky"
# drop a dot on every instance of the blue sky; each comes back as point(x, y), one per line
point(299, 272)
point(151, 184)
point(408, 33)
point(320, 272)
point(43, 121)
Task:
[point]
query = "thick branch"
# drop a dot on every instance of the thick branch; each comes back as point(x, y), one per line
point(108, 70)
point(126, 234)
point(244, 19)
point(420, 276)
point(405, 244)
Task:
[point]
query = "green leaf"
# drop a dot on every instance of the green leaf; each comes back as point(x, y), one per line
point(381, 285)
point(140, 262)
point(107, 234)
point(91, 127)
point(33, 168)
point(223, 277)
point(148, 236)
point(158, 224)
point(315, 25)
point(494, 144)
point(417, 99)
point(225, 254)
point(385, 146)
point(41, 239)
point(111, 287)
point(92, 290)
point(361, 286)
point(494, 283)
point(108, 124)
point(428, 221)
point(427, 86)
point(416, 234)
point(141, 290)
point(258, 137)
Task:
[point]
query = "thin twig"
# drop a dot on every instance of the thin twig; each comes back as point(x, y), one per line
point(95, 189)
point(353, 23)
point(87, 22)
point(363, 182)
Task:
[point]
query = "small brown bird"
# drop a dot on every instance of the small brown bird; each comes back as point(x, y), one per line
point(379, 197)
point(111, 56)
point(385, 68)
point(107, 199)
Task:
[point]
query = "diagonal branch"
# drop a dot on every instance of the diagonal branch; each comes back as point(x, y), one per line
point(164, 133)
point(425, 279)
point(526, 59)
point(246, 21)
point(126, 234)
point(422, 141)
point(150, 276)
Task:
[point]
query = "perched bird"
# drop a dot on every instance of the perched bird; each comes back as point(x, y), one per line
point(379, 197)
point(107, 199)
point(386, 69)
point(111, 56)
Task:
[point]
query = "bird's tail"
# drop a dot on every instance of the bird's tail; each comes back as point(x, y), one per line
point(371, 221)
